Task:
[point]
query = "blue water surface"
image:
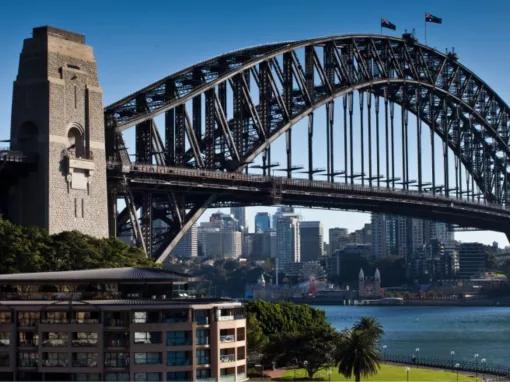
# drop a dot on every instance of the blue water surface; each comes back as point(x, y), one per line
point(436, 331)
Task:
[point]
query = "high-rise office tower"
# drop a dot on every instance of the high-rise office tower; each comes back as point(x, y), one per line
point(288, 246)
point(311, 240)
point(239, 214)
point(262, 222)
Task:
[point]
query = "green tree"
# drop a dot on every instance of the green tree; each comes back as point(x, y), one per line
point(357, 353)
point(312, 349)
point(31, 249)
point(285, 317)
point(256, 338)
point(370, 326)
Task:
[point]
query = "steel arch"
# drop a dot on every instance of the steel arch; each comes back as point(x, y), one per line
point(446, 94)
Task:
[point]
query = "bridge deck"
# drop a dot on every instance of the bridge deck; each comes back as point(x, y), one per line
point(253, 189)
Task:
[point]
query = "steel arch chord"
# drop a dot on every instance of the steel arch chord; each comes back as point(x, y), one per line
point(221, 114)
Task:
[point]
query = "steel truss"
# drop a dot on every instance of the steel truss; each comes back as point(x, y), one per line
point(223, 113)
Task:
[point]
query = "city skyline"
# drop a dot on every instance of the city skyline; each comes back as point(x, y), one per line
point(104, 31)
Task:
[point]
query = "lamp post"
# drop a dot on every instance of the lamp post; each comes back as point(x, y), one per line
point(384, 347)
point(296, 362)
point(417, 354)
point(329, 374)
point(483, 361)
point(305, 364)
point(457, 365)
point(408, 369)
point(476, 356)
point(452, 354)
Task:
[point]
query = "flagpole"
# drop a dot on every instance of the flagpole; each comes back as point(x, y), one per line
point(380, 24)
point(425, 29)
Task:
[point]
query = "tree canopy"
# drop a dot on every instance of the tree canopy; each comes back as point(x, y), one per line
point(276, 318)
point(32, 249)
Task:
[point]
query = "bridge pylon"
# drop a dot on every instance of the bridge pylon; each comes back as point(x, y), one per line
point(57, 114)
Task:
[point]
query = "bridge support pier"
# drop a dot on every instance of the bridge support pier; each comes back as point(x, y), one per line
point(57, 114)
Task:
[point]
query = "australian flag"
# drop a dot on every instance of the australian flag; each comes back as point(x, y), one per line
point(388, 24)
point(429, 18)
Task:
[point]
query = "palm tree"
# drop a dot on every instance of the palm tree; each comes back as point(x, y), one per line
point(357, 353)
point(371, 326)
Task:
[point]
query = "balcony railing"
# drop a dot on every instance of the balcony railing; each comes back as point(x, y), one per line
point(55, 343)
point(77, 363)
point(84, 342)
point(116, 322)
point(227, 358)
point(116, 363)
point(54, 363)
point(226, 318)
point(28, 363)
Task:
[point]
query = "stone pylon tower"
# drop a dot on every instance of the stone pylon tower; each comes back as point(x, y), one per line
point(57, 114)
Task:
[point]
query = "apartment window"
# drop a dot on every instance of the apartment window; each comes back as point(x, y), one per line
point(241, 334)
point(201, 317)
point(178, 376)
point(147, 377)
point(28, 318)
point(86, 317)
point(148, 358)
point(85, 377)
point(84, 339)
point(116, 319)
point(28, 339)
point(178, 338)
point(116, 360)
point(4, 359)
point(115, 339)
point(5, 317)
point(241, 372)
point(147, 337)
point(178, 358)
point(54, 359)
point(145, 317)
point(227, 355)
point(85, 359)
point(117, 377)
point(55, 318)
point(54, 339)
point(227, 335)
point(202, 336)
point(241, 353)
point(203, 356)
point(228, 371)
point(28, 359)
point(5, 338)
point(175, 315)
point(203, 373)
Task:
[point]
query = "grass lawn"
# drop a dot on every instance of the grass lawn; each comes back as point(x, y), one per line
point(388, 372)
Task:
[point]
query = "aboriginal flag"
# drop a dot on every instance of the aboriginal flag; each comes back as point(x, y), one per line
point(429, 18)
point(388, 24)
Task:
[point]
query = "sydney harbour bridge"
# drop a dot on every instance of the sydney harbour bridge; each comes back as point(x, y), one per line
point(400, 128)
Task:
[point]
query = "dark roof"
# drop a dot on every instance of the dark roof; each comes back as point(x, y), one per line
point(222, 302)
point(103, 274)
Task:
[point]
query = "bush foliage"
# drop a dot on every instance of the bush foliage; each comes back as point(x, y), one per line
point(32, 249)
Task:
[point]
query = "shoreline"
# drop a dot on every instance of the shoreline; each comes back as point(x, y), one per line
point(424, 303)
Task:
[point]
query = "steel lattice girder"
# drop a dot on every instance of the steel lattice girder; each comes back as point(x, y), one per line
point(473, 118)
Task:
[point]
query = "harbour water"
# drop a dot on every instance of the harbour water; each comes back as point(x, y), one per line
point(436, 331)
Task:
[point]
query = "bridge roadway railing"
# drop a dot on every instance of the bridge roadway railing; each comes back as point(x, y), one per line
point(304, 184)
point(7, 155)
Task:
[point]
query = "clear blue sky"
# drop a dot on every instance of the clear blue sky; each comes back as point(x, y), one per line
point(139, 42)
